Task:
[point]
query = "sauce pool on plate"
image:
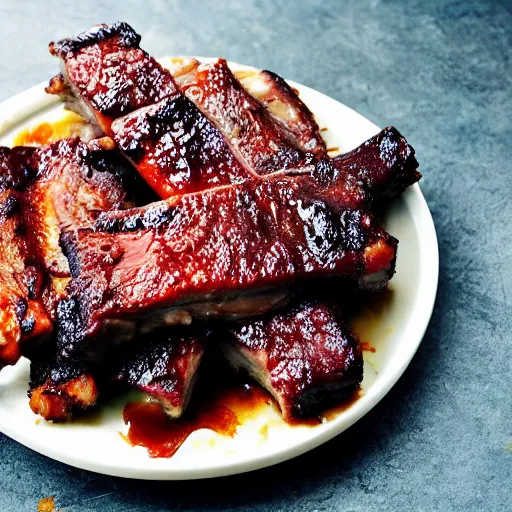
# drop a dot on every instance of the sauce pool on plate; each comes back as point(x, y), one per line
point(150, 428)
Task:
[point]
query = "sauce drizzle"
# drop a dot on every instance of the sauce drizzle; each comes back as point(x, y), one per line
point(150, 427)
point(223, 413)
point(45, 133)
point(162, 437)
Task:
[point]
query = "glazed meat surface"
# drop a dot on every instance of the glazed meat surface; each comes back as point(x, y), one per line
point(59, 389)
point(65, 185)
point(23, 316)
point(215, 247)
point(385, 165)
point(243, 121)
point(237, 232)
point(286, 107)
point(306, 357)
point(165, 367)
point(106, 75)
point(173, 145)
point(176, 149)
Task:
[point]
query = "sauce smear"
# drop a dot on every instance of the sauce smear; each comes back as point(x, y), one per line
point(162, 437)
point(150, 427)
point(222, 411)
point(45, 133)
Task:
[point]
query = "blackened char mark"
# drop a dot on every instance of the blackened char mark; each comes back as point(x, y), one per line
point(125, 34)
point(176, 149)
point(59, 389)
point(70, 331)
point(226, 243)
point(385, 165)
point(107, 75)
point(151, 217)
point(165, 366)
point(305, 356)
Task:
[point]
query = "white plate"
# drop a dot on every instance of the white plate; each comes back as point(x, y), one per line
point(395, 329)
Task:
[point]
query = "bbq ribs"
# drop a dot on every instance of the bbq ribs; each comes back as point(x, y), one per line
point(23, 317)
point(306, 357)
point(252, 207)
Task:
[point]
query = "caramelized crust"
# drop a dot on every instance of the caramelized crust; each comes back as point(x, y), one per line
point(22, 313)
point(286, 108)
point(176, 149)
point(384, 165)
point(306, 357)
point(165, 367)
point(215, 246)
point(66, 192)
point(65, 185)
point(243, 121)
point(58, 390)
point(107, 70)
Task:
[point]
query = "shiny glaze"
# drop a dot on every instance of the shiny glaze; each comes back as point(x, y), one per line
point(65, 192)
point(385, 165)
point(231, 240)
point(63, 188)
point(22, 313)
point(305, 356)
point(111, 73)
point(152, 429)
point(242, 120)
point(222, 410)
point(164, 366)
point(176, 149)
point(286, 107)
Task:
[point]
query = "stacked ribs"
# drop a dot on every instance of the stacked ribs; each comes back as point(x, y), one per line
point(102, 283)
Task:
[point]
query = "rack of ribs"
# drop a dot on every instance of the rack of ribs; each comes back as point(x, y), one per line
point(212, 146)
point(228, 252)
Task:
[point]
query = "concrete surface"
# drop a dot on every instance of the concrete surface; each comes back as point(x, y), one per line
point(442, 73)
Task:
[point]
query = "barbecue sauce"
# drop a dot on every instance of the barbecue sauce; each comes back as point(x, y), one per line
point(45, 133)
point(162, 437)
point(151, 428)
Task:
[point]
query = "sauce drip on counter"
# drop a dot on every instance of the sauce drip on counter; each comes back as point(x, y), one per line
point(162, 437)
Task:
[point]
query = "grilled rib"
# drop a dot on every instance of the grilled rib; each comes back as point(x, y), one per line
point(253, 135)
point(176, 149)
point(63, 189)
point(216, 252)
point(23, 316)
point(106, 75)
point(385, 165)
point(306, 357)
point(166, 366)
point(286, 107)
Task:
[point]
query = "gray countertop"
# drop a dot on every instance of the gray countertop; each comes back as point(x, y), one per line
point(442, 73)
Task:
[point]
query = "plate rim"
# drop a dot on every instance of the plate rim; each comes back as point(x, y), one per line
point(34, 100)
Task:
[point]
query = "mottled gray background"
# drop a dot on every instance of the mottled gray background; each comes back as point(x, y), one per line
point(442, 73)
